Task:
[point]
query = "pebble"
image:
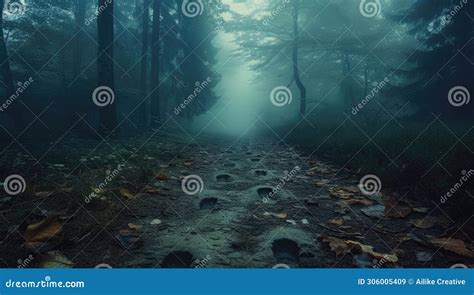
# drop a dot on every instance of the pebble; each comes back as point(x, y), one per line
point(155, 222)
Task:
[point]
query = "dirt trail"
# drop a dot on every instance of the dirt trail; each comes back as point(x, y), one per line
point(246, 204)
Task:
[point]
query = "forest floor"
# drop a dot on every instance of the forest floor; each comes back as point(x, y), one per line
point(143, 217)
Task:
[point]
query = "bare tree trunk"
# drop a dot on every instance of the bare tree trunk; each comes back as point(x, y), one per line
point(143, 113)
point(79, 16)
point(296, 71)
point(155, 63)
point(105, 63)
point(6, 72)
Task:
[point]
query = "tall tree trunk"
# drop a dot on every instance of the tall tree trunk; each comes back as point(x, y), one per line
point(7, 73)
point(349, 84)
point(296, 70)
point(105, 63)
point(155, 63)
point(143, 113)
point(79, 16)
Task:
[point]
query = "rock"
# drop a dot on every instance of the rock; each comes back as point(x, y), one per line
point(424, 256)
point(377, 211)
point(155, 222)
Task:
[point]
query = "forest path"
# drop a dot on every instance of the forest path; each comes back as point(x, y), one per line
point(257, 204)
point(243, 204)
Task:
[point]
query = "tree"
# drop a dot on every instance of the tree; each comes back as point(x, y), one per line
point(6, 70)
point(105, 63)
point(155, 63)
point(296, 70)
point(79, 17)
point(444, 59)
point(144, 62)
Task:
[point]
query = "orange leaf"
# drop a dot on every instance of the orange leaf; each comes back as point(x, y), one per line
point(44, 230)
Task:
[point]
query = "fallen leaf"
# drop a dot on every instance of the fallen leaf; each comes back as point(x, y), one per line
point(370, 250)
point(54, 259)
point(152, 190)
point(292, 222)
point(430, 221)
point(281, 215)
point(336, 245)
point(350, 202)
point(43, 194)
point(336, 221)
point(376, 211)
point(340, 247)
point(135, 226)
point(341, 193)
point(421, 209)
point(454, 245)
point(162, 176)
point(42, 231)
point(126, 193)
point(395, 208)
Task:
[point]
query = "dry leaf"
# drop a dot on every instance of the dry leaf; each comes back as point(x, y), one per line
point(135, 226)
point(281, 215)
point(43, 194)
point(337, 245)
point(340, 193)
point(126, 193)
point(430, 221)
point(152, 190)
point(395, 208)
point(42, 231)
point(454, 245)
point(350, 202)
point(337, 221)
point(162, 176)
point(54, 259)
point(370, 250)
point(340, 247)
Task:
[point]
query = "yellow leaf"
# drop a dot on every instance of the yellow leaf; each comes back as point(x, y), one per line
point(135, 226)
point(43, 231)
point(453, 245)
point(126, 193)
